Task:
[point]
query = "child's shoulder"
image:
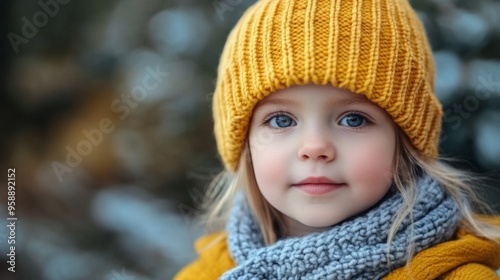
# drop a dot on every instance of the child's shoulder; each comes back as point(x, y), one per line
point(210, 242)
point(465, 257)
point(213, 258)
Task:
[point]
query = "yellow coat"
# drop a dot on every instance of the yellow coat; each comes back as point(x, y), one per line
point(466, 257)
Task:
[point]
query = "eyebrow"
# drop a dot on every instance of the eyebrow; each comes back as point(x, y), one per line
point(358, 99)
point(276, 101)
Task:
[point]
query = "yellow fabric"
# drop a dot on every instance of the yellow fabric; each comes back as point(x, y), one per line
point(214, 259)
point(377, 48)
point(467, 257)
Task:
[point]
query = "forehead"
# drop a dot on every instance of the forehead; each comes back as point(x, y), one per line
point(324, 94)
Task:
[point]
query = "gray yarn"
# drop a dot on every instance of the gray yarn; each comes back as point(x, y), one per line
point(353, 249)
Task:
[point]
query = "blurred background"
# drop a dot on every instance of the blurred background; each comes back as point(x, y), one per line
point(105, 116)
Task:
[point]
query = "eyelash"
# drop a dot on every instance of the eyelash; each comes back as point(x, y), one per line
point(356, 113)
point(359, 114)
point(270, 117)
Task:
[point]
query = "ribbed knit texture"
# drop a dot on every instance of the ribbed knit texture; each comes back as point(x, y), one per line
point(377, 48)
point(354, 249)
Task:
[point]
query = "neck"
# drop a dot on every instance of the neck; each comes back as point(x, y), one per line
point(296, 229)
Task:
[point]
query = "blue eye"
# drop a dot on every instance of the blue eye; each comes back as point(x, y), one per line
point(353, 120)
point(281, 121)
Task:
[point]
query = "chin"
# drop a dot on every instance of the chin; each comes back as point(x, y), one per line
point(319, 223)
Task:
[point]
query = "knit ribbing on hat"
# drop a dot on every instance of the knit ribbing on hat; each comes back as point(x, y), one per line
point(377, 48)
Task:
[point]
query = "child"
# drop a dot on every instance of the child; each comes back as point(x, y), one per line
point(328, 127)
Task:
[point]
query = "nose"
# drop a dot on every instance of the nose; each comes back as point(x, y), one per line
point(317, 146)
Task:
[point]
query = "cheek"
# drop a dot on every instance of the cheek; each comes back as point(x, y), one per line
point(268, 168)
point(269, 164)
point(373, 164)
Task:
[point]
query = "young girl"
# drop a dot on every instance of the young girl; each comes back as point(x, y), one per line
point(328, 127)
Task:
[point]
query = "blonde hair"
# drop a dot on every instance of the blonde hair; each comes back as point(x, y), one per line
point(461, 185)
point(223, 189)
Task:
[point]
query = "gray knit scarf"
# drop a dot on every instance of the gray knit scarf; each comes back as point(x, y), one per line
point(353, 249)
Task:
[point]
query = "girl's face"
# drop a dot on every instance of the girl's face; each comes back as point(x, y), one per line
point(321, 154)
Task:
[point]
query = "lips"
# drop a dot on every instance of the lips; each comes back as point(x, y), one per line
point(318, 185)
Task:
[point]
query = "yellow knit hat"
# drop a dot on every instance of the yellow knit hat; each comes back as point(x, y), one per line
point(377, 48)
